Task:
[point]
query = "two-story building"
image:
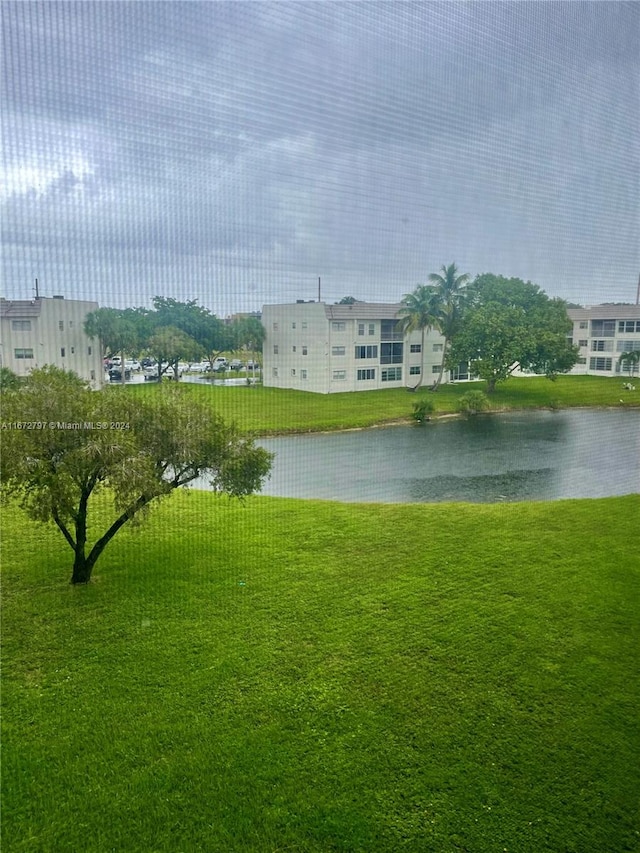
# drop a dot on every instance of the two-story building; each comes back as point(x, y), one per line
point(329, 349)
point(49, 330)
point(603, 333)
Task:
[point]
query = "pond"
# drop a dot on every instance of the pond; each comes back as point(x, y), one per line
point(487, 459)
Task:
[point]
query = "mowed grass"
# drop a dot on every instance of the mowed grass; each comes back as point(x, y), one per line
point(312, 677)
point(264, 411)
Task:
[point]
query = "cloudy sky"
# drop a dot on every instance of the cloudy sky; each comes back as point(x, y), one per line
point(233, 152)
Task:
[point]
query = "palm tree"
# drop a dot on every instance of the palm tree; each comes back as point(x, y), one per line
point(450, 289)
point(420, 311)
point(631, 359)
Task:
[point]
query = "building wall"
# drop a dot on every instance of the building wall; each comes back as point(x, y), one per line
point(603, 333)
point(49, 331)
point(315, 347)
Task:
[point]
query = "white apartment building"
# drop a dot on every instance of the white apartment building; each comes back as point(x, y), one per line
point(49, 330)
point(327, 349)
point(603, 333)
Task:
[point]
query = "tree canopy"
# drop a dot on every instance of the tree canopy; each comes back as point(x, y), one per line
point(511, 324)
point(136, 450)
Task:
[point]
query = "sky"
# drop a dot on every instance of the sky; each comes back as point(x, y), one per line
point(236, 152)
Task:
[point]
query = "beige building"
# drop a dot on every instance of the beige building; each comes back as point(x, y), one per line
point(330, 349)
point(603, 333)
point(49, 330)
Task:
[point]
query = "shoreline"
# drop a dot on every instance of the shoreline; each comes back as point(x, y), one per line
point(408, 421)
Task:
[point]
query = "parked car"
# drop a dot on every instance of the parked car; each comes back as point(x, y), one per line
point(253, 365)
point(115, 374)
point(132, 364)
point(150, 373)
point(220, 366)
point(236, 364)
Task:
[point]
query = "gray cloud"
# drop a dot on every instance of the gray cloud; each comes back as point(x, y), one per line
point(233, 152)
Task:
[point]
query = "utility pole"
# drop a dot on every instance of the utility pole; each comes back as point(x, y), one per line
point(320, 299)
point(638, 292)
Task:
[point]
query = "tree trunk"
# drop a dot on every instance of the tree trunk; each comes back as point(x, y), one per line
point(491, 385)
point(436, 384)
point(82, 568)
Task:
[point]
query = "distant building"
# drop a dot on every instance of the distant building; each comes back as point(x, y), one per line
point(329, 349)
point(603, 333)
point(49, 330)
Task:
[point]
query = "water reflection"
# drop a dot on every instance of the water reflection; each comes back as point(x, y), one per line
point(509, 457)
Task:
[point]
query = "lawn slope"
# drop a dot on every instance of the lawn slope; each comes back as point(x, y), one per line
point(309, 676)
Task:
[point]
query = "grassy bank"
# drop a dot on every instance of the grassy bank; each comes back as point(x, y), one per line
point(313, 677)
point(273, 410)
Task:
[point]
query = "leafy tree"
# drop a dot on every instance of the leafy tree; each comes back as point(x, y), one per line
point(118, 331)
point(512, 324)
point(420, 312)
point(212, 334)
point(170, 346)
point(135, 450)
point(249, 335)
point(631, 360)
point(450, 288)
point(347, 300)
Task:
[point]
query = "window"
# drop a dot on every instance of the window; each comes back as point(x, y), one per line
point(367, 373)
point(305, 351)
point(438, 347)
point(367, 352)
point(21, 325)
point(339, 374)
point(372, 329)
point(293, 349)
point(601, 346)
point(293, 325)
point(23, 352)
point(88, 350)
point(583, 342)
point(275, 371)
point(338, 326)
point(61, 325)
point(361, 328)
point(391, 353)
point(435, 368)
point(627, 346)
point(390, 330)
point(582, 361)
point(391, 374)
point(93, 374)
point(73, 349)
point(303, 374)
point(416, 370)
point(304, 325)
point(629, 326)
point(415, 348)
point(584, 324)
point(275, 349)
point(599, 364)
point(71, 324)
point(275, 327)
point(293, 371)
point(62, 352)
point(603, 328)
point(338, 351)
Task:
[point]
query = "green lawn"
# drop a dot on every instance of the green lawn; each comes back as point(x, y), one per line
point(311, 677)
point(273, 410)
